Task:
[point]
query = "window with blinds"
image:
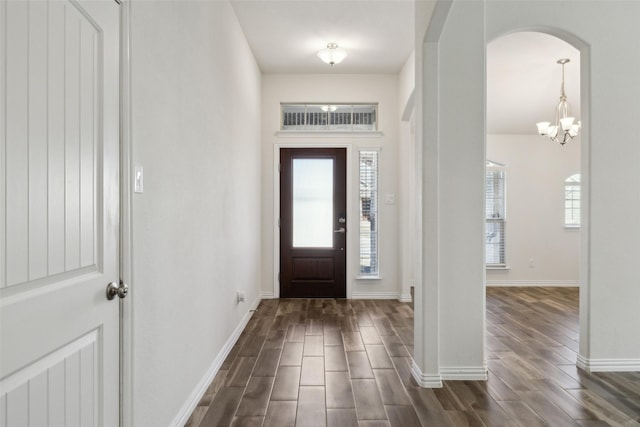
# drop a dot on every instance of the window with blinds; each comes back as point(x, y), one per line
point(369, 261)
point(329, 117)
point(495, 213)
point(572, 201)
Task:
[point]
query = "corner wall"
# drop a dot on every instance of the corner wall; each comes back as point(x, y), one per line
point(453, 147)
point(407, 176)
point(196, 228)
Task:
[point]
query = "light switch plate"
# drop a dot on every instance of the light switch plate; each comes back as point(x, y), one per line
point(390, 199)
point(138, 179)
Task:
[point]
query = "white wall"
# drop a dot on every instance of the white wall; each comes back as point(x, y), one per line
point(196, 228)
point(406, 176)
point(610, 64)
point(328, 88)
point(461, 193)
point(536, 171)
point(606, 34)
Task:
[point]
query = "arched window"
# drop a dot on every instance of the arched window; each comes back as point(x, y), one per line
point(495, 214)
point(572, 201)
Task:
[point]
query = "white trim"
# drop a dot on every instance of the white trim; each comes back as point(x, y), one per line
point(375, 295)
point(376, 277)
point(276, 205)
point(464, 373)
point(423, 380)
point(267, 295)
point(276, 220)
point(126, 221)
point(404, 297)
point(556, 283)
point(608, 365)
point(187, 408)
point(328, 134)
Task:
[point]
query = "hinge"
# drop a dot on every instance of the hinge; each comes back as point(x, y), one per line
point(279, 168)
point(278, 222)
point(278, 277)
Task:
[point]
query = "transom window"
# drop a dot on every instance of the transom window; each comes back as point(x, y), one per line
point(495, 214)
point(572, 201)
point(329, 117)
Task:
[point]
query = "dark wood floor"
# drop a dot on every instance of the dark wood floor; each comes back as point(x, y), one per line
point(346, 363)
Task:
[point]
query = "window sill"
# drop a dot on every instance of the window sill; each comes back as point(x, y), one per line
point(369, 277)
point(329, 133)
point(572, 227)
point(498, 267)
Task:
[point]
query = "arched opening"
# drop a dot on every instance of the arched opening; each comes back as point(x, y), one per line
point(523, 86)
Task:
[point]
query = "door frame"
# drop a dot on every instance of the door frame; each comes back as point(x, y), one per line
point(126, 212)
point(276, 208)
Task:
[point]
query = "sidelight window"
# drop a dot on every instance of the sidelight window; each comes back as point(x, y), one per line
point(369, 214)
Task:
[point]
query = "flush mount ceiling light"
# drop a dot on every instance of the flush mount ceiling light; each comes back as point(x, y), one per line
point(332, 54)
point(566, 127)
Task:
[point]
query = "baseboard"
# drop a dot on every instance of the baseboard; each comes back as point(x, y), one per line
point(375, 295)
point(424, 380)
point(359, 295)
point(466, 373)
point(608, 365)
point(404, 297)
point(550, 283)
point(191, 403)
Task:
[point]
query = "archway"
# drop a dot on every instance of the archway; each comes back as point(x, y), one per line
point(523, 83)
point(536, 50)
point(528, 240)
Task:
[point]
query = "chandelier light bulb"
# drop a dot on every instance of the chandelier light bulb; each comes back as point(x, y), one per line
point(332, 54)
point(566, 127)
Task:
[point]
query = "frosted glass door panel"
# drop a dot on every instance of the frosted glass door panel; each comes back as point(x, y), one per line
point(313, 203)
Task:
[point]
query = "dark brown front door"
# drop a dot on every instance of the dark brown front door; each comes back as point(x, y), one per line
point(313, 227)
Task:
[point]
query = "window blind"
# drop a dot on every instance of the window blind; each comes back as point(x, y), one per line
point(329, 117)
point(495, 212)
point(369, 213)
point(572, 201)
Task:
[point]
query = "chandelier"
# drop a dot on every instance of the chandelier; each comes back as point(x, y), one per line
point(332, 54)
point(565, 127)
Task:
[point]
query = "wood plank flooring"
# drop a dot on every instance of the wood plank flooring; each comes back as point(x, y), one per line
point(347, 363)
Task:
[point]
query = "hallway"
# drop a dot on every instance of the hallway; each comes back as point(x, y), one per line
point(347, 363)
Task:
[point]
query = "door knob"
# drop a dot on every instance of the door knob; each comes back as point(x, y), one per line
point(113, 289)
point(340, 230)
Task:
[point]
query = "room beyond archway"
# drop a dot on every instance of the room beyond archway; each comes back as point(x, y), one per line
point(541, 247)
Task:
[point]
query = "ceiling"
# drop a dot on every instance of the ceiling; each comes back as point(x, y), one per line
point(285, 36)
point(523, 81)
point(523, 78)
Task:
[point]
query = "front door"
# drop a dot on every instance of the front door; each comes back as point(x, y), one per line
point(59, 199)
point(313, 222)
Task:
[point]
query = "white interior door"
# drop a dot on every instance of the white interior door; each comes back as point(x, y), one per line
point(60, 210)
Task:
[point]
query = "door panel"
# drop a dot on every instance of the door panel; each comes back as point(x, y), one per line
point(313, 222)
point(59, 227)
